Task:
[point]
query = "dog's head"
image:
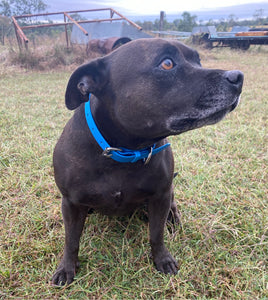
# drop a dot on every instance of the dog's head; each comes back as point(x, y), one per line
point(155, 88)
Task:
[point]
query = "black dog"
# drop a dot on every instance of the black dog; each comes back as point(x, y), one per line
point(141, 93)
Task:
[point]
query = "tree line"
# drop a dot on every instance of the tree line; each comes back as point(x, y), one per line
point(187, 22)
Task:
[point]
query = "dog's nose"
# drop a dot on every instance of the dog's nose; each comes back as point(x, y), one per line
point(234, 77)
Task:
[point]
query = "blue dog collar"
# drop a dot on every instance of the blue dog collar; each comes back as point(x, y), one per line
point(121, 154)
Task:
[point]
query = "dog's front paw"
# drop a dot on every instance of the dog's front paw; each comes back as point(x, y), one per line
point(165, 263)
point(63, 276)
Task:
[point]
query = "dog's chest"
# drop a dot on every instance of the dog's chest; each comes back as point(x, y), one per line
point(122, 193)
point(116, 192)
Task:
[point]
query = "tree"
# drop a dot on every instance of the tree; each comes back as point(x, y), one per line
point(77, 17)
point(186, 23)
point(21, 7)
point(232, 20)
point(5, 8)
point(258, 16)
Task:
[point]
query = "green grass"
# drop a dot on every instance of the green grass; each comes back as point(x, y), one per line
point(221, 191)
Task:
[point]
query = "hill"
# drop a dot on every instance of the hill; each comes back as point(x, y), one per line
point(242, 12)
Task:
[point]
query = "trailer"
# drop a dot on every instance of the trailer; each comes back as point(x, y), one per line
point(96, 26)
point(234, 39)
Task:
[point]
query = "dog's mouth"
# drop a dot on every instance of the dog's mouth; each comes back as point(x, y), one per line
point(178, 126)
point(236, 103)
point(219, 115)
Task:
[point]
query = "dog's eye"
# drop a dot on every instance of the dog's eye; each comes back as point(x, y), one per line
point(167, 64)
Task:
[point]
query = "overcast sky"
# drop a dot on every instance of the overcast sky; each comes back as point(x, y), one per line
point(145, 7)
point(169, 6)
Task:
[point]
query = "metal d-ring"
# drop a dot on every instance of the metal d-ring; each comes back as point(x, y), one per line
point(149, 156)
point(107, 151)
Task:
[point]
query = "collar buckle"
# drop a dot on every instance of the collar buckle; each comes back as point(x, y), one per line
point(107, 151)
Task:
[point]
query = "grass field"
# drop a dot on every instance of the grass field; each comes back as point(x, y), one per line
point(221, 192)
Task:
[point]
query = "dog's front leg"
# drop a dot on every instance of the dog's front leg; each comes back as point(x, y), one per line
point(158, 212)
point(74, 219)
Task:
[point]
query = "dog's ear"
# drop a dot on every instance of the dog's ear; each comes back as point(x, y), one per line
point(88, 78)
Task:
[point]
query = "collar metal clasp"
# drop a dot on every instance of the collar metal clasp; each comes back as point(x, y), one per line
point(107, 151)
point(149, 156)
